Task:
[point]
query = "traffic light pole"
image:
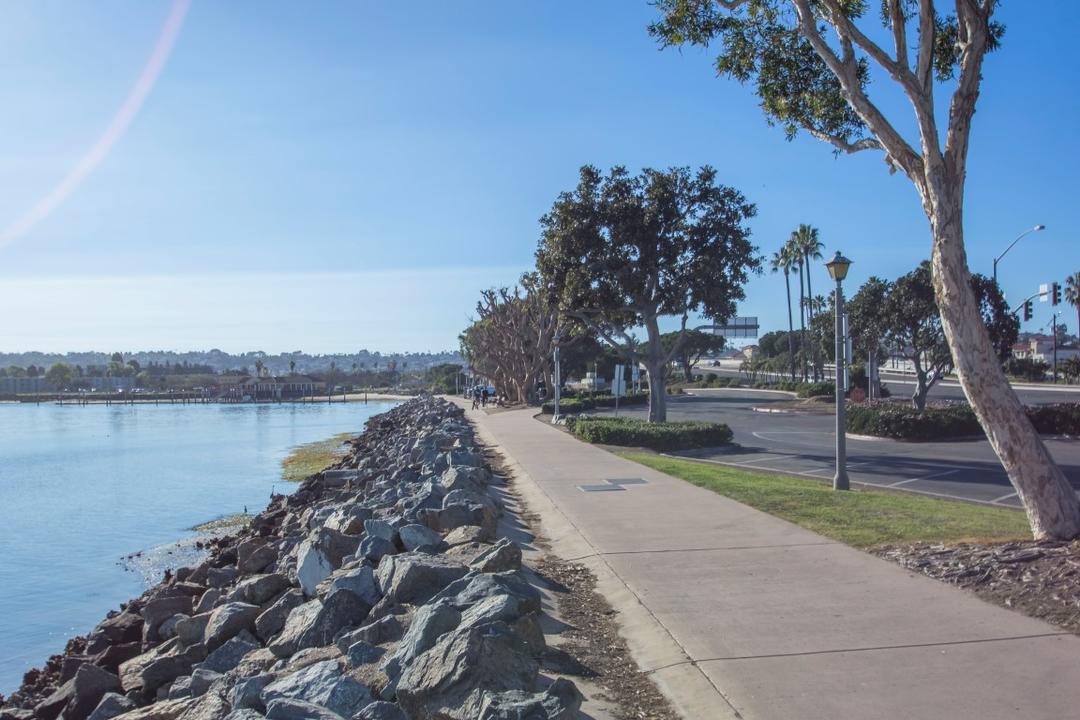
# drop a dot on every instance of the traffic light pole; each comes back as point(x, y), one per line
point(1054, 332)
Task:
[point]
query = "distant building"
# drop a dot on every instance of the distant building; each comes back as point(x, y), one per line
point(287, 387)
point(24, 385)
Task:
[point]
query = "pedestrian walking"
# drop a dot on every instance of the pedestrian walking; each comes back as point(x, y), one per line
point(484, 397)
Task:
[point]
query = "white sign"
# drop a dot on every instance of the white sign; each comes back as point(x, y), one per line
point(1044, 292)
point(618, 383)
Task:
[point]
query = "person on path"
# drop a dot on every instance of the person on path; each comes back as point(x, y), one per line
point(475, 397)
point(484, 397)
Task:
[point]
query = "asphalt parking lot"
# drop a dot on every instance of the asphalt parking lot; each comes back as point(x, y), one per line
point(803, 445)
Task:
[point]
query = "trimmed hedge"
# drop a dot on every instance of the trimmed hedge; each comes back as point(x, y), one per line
point(903, 422)
point(1059, 419)
point(815, 389)
point(633, 432)
point(574, 405)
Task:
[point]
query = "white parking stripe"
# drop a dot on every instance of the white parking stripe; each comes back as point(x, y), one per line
point(924, 477)
point(1004, 497)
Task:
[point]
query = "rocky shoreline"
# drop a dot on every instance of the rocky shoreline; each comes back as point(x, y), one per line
point(380, 590)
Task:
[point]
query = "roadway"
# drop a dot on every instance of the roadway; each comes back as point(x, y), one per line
point(901, 385)
point(803, 444)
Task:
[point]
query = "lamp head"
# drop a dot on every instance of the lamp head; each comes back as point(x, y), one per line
point(1040, 227)
point(838, 267)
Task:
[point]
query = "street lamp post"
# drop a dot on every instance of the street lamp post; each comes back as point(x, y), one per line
point(998, 258)
point(557, 379)
point(838, 270)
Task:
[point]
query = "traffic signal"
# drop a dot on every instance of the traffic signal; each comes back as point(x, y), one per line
point(1029, 310)
point(1055, 293)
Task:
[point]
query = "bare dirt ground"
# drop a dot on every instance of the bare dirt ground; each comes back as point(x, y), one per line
point(583, 637)
point(1039, 579)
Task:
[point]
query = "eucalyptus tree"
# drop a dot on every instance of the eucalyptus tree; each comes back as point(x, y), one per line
point(809, 62)
point(621, 251)
point(781, 262)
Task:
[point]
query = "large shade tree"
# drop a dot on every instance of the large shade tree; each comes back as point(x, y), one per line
point(811, 63)
point(690, 347)
point(620, 251)
point(905, 316)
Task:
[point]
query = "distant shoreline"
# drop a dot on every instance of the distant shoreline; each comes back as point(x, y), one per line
point(349, 397)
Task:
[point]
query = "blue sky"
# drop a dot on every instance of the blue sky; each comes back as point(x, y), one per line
point(347, 175)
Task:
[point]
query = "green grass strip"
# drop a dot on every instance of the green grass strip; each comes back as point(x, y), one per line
point(306, 460)
point(862, 518)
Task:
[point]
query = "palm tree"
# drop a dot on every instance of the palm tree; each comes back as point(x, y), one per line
point(1072, 295)
point(806, 240)
point(795, 255)
point(782, 261)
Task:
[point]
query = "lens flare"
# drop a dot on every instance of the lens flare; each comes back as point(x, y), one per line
point(115, 130)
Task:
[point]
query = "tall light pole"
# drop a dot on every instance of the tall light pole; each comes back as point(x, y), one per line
point(838, 270)
point(557, 379)
point(998, 258)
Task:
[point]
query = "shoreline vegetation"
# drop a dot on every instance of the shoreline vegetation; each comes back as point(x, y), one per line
point(307, 459)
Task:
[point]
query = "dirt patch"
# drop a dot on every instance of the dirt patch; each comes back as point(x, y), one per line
point(1039, 579)
point(592, 639)
point(588, 646)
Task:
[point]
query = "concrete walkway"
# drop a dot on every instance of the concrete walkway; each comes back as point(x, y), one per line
point(740, 614)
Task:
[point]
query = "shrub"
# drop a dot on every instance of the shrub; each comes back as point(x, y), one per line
point(711, 377)
point(815, 389)
point(574, 405)
point(657, 436)
point(903, 422)
point(1060, 419)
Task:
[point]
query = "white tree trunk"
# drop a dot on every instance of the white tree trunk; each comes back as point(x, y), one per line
point(1050, 501)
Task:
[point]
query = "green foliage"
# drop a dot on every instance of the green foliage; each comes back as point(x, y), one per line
point(633, 432)
point(445, 378)
point(59, 375)
point(692, 345)
point(815, 389)
point(572, 405)
point(1027, 369)
point(860, 517)
point(1059, 419)
point(903, 422)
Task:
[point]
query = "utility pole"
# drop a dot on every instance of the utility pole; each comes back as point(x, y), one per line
point(1053, 324)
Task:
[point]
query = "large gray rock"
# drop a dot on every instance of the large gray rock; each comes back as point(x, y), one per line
point(359, 580)
point(384, 629)
point(474, 587)
point(299, 621)
point(374, 548)
point(227, 620)
point(340, 609)
point(221, 577)
point(270, 622)
point(416, 577)
point(208, 600)
point(159, 666)
point(285, 709)
point(349, 519)
point(161, 609)
point(380, 710)
point(431, 622)
point(503, 555)
point(323, 684)
point(254, 554)
point(248, 692)
point(418, 536)
point(202, 678)
point(259, 589)
point(379, 528)
point(80, 695)
point(450, 679)
point(111, 705)
point(363, 653)
point(561, 701)
point(312, 566)
point(209, 706)
point(244, 714)
point(191, 630)
point(474, 479)
point(229, 654)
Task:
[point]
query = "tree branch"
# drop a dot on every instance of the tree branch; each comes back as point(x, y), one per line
point(898, 150)
point(843, 145)
point(974, 34)
point(845, 28)
point(927, 30)
point(899, 29)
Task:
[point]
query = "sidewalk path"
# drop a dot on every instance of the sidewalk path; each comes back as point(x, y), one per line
point(784, 623)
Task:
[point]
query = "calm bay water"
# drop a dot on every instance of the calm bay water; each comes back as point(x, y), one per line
point(82, 487)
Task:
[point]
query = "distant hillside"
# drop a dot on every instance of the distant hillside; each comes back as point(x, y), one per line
point(221, 361)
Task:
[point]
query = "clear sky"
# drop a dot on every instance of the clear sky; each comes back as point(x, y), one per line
point(350, 174)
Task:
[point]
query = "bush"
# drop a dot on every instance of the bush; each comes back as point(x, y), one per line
point(903, 422)
point(711, 377)
point(1060, 419)
point(656, 436)
point(815, 389)
point(573, 405)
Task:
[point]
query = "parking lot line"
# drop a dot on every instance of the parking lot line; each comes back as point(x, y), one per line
point(924, 477)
